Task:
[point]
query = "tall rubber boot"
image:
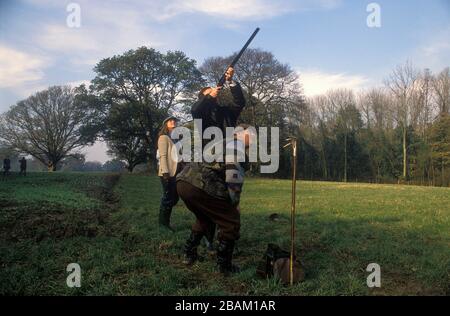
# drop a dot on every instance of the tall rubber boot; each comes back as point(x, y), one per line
point(190, 248)
point(209, 242)
point(164, 217)
point(225, 256)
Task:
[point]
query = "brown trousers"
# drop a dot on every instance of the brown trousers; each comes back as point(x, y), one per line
point(209, 211)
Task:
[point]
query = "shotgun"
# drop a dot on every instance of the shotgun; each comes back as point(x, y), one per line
point(238, 56)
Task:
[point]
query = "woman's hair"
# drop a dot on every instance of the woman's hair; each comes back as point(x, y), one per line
point(164, 130)
point(244, 126)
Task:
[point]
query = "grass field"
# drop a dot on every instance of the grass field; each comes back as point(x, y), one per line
point(108, 224)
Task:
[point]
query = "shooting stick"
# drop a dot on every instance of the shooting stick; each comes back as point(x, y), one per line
point(293, 143)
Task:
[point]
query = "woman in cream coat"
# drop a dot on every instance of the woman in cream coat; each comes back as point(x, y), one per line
point(167, 171)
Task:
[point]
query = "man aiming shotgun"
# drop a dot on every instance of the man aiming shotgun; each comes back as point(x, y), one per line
point(215, 112)
point(207, 188)
point(210, 110)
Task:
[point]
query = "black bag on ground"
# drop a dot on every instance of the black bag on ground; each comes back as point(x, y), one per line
point(275, 263)
point(272, 254)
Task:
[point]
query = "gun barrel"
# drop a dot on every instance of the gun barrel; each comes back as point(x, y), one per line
point(238, 56)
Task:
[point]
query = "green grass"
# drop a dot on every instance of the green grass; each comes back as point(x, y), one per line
point(110, 229)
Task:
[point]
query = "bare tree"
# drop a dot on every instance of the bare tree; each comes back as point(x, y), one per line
point(374, 105)
point(318, 106)
point(50, 124)
point(272, 87)
point(402, 83)
point(342, 105)
point(441, 87)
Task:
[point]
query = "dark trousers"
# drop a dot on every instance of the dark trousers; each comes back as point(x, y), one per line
point(170, 195)
point(209, 210)
point(6, 171)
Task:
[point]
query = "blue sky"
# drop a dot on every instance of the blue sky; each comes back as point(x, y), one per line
point(327, 42)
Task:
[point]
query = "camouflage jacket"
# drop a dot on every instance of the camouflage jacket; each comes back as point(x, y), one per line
point(222, 180)
point(209, 177)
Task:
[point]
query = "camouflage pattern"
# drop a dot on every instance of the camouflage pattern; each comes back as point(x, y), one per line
point(209, 177)
point(215, 177)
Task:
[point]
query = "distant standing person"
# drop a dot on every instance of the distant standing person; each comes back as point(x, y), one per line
point(6, 166)
point(168, 163)
point(23, 166)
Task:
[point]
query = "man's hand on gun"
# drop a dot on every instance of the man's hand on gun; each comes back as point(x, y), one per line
point(214, 92)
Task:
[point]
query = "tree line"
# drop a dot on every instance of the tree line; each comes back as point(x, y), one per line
point(398, 132)
point(72, 163)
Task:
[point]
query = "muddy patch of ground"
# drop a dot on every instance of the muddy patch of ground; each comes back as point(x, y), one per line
point(38, 221)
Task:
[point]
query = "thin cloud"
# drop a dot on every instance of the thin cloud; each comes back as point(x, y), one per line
point(61, 38)
point(236, 10)
point(434, 54)
point(112, 28)
point(316, 82)
point(162, 10)
point(17, 67)
point(230, 9)
point(98, 37)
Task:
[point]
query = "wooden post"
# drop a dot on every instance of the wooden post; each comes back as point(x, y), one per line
point(293, 144)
